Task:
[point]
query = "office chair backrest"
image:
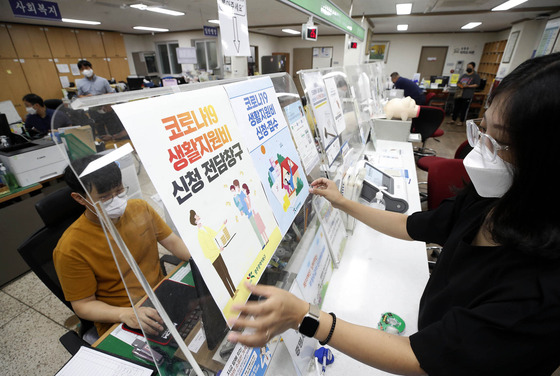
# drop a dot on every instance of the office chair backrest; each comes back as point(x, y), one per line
point(58, 211)
point(445, 178)
point(429, 119)
point(463, 149)
point(52, 103)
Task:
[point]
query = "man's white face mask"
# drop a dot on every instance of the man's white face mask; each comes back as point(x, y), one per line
point(490, 178)
point(115, 208)
point(87, 72)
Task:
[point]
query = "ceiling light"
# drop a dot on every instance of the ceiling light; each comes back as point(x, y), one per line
point(214, 21)
point(169, 12)
point(291, 31)
point(403, 27)
point(508, 5)
point(404, 8)
point(149, 28)
point(471, 25)
point(70, 20)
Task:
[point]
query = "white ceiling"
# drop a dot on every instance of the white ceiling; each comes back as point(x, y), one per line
point(270, 16)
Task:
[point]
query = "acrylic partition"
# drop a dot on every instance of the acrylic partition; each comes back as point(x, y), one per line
point(368, 82)
point(221, 168)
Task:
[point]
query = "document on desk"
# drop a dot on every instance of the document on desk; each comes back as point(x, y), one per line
point(91, 362)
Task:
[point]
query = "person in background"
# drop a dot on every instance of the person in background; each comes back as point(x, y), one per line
point(108, 126)
point(410, 88)
point(491, 305)
point(83, 260)
point(467, 84)
point(39, 117)
point(91, 84)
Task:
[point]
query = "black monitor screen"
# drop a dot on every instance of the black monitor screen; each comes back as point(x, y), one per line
point(134, 83)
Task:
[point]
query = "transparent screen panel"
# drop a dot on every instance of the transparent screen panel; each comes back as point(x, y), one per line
point(173, 321)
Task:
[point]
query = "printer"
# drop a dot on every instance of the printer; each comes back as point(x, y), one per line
point(32, 162)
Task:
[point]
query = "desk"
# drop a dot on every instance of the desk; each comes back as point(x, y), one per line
point(377, 274)
point(19, 220)
point(118, 341)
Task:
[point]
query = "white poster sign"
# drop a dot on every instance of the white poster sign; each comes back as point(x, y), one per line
point(234, 31)
point(271, 147)
point(191, 147)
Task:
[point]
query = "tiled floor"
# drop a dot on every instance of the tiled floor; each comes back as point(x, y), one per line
point(32, 319)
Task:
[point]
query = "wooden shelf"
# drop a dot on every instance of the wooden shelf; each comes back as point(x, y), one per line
point(490, 61)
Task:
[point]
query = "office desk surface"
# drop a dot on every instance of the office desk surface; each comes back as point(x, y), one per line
point(377, 273)
point(19, 192)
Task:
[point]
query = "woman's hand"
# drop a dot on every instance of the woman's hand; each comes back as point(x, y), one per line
point(327, 188)
point(151, 321)
point(279, 312)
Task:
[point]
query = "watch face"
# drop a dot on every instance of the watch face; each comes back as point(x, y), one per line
point(309, 326)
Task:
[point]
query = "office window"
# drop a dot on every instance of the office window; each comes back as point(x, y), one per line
point(167, 54)
point(206, 54)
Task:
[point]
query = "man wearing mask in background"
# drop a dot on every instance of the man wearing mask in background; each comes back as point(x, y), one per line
point(39, 117)
point(91, 84)
point(467, 85)
point(83, 260)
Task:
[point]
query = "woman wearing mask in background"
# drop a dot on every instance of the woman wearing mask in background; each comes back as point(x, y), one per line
point(492, 304)
point(467, 84)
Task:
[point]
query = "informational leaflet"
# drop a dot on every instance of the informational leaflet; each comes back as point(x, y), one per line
point(301, 134)
point(267, 136)
point(248, 361)
point(191, 147)
point(335, 104)
point(326, 126)
point(335, 232)
point(315, 273)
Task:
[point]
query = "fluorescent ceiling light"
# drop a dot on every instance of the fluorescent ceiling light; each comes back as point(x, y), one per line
point(291, 31)
point(149, 28)
point(404, 8)
point(70, 20)
point(169, 12)
point(402, 27)
point(214, 21)
point(508, 5)
point(471, 25)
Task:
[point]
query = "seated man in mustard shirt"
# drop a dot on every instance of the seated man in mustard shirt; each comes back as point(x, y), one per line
point(83, 260)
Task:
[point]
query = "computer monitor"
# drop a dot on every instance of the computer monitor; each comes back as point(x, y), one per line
point(4, 126)
point(444, 80)
point(134, 83)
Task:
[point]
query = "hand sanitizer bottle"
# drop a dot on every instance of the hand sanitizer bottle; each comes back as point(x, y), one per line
point(378, 202)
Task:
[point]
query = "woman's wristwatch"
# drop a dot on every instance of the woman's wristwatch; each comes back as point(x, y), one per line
point(310, 323)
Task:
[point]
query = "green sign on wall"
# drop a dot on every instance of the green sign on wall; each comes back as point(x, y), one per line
point(330, 14)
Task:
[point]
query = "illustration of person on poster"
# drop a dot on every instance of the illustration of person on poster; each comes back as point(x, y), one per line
point(213, 252)
point(258, 219)
point(240, 199)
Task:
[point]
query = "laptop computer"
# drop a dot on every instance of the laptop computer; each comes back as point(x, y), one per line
point(181, 303)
